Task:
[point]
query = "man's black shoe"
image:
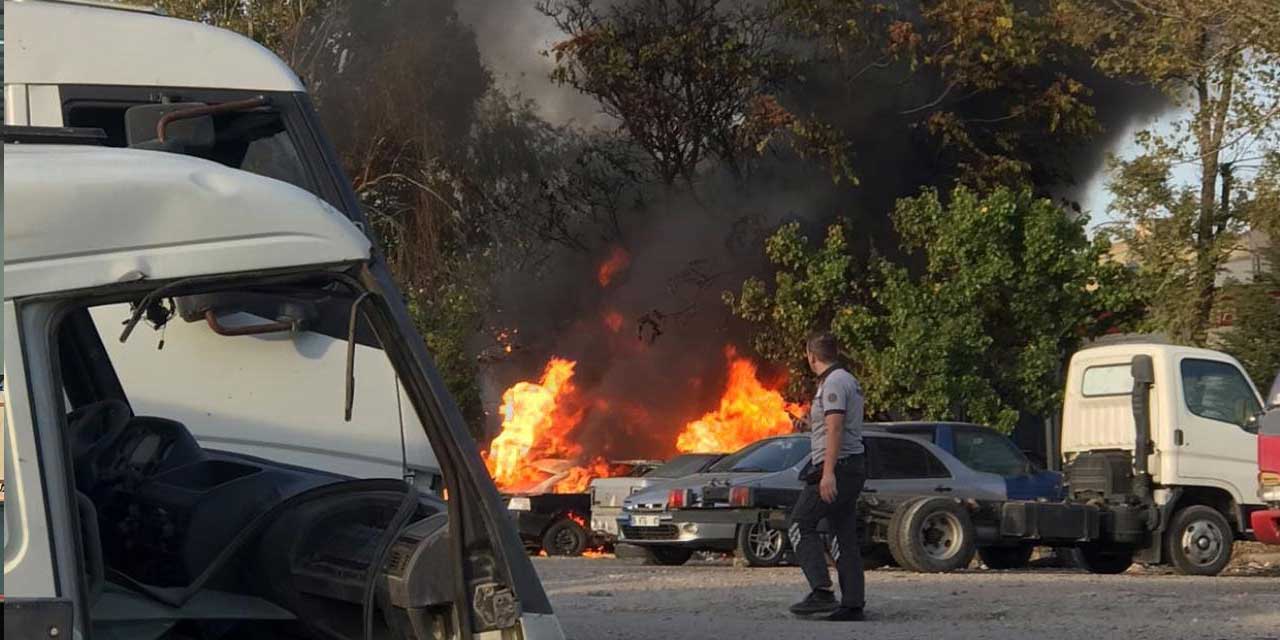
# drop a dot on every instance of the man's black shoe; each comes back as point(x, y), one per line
point(845, 614)
point(818, 601)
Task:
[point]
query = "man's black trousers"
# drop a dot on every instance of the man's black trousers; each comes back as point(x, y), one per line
point(842, 518)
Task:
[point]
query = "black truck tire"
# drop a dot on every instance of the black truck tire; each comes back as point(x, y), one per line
point(1004, 557)
point(1199, 541)
point(761, 545)
point(667, 556)
point(564, 538)
point(933, 535)
point(1099, 559)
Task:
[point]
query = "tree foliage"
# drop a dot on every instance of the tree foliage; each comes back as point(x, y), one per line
point(1220, 61)
point(1010, 288)
point(987, 79)
point(688, 80)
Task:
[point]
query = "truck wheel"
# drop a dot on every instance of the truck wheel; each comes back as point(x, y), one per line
point(668, 556)
point(895, 524)
point(1199, 541)
point(761, 545)
point(1000, 558)
point(1095, 558)
point(564, 538)
point(935, 535)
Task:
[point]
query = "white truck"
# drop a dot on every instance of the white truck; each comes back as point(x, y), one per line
point(124, 525)
point(121, 69)
point(237, 397)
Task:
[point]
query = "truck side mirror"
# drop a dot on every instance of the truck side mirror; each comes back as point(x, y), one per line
point(1143, 370)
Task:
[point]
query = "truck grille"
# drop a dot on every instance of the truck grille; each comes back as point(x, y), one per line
point(660, 532)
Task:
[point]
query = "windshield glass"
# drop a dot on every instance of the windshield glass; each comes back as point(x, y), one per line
point(989, 452)
point(766, 457)
point(681, 466)
point(261, 140)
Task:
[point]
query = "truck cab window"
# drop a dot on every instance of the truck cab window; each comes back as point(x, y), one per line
point(257, 141)
point(1218, 391)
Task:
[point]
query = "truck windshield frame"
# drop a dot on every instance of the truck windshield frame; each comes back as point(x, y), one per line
point(320, 171)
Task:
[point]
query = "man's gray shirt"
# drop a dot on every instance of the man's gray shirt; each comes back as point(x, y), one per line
point(838, 393)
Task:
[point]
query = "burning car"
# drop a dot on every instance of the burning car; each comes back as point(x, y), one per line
point(557, 523)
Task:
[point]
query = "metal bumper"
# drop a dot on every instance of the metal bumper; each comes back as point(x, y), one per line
point(675, 528)
point(1266, 526)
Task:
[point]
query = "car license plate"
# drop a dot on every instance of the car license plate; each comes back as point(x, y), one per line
point(644, 521)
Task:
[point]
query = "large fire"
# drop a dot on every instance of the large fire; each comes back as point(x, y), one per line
point(748, 411)
point(537, 452)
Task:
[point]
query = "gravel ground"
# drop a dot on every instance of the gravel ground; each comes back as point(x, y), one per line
point(611, 599)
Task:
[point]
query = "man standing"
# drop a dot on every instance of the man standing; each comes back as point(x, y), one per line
point(833, 479)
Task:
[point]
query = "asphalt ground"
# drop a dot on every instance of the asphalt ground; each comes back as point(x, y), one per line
point(612, 599)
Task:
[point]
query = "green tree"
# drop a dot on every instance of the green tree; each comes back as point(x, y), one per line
point(1220, 62)
point(1254, 305)
point(1010, 287)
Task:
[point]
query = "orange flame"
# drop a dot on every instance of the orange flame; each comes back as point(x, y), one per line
point(748, 412)
point(617, 262)
point(537, 424)
point(613, 320)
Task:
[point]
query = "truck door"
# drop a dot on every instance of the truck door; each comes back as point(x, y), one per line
point(1216, 430)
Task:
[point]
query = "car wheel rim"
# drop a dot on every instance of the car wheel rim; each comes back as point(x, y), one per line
point(1203, 543)
point(941, 535)
point(765, 543)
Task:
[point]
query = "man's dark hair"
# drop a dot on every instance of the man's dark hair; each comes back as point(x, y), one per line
point(823, 346)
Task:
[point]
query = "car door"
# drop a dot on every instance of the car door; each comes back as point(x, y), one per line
point(1215, 437)
point(902, 467)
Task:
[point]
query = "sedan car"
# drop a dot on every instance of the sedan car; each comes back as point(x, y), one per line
point(904, 460)
point(607, 494)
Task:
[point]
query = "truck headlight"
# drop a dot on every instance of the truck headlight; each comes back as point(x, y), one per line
point(519, 504)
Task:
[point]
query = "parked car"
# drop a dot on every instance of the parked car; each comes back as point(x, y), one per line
point(904, 460)
point(607, 494)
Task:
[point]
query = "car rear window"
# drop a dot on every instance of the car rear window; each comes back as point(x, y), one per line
point(766, 457)
point(680, 466)
point(989, 452)
point(899, 459)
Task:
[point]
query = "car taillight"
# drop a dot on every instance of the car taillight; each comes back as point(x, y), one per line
point(679, 498)
point(740, 497)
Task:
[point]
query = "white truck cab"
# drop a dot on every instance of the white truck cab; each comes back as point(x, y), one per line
point(115, 68)
point(1201, 415)
point(126, 525)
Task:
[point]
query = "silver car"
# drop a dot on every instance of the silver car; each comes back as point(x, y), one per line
point(663, 520)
